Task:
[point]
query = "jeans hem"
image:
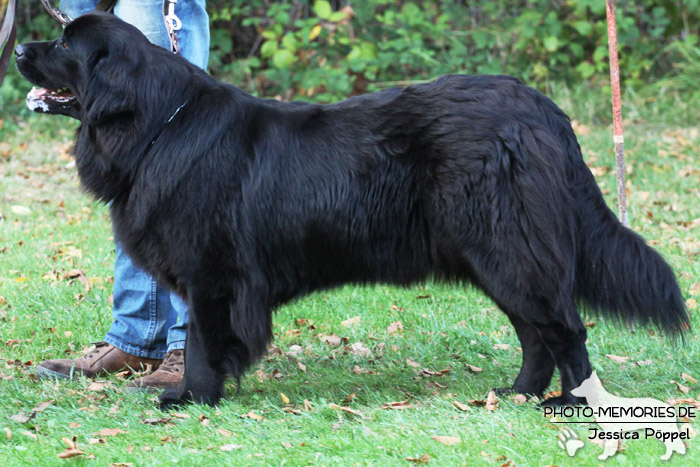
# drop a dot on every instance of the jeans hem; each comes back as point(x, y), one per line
point(132, 350)
point(177, 345)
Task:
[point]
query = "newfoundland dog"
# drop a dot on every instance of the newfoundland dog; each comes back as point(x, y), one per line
point(242, 204)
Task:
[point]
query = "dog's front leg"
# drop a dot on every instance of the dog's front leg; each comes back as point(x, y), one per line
point(203, 382)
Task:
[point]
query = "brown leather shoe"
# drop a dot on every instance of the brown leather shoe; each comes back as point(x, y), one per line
point(169, 374)
point(104, 358)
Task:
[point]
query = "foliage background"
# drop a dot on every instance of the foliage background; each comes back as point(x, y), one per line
point(327, 50)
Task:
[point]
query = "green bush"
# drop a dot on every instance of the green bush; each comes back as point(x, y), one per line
point(324, 50)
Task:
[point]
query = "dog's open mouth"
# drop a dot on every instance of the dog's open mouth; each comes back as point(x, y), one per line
point(50, 101)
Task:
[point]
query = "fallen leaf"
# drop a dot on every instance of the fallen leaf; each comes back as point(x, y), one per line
point(617, 358)
point(294, 350)
point(681, 388)
point(284, 398)
point(96, 386)
point(301, 366)
point(447, 440)
point(307, 406)
point(252, 415)
point(332, 339)
point(685, 376)
point(491, 401)
point(224, 432)
point(358, 348)
point(286, 444)
point(394, 327)
point(181, 415)
point(69, 442)
point(30, 434)
point(520, 399)
point(230, 447)
point(349, 398)
point(501, 346)
point(111, 432)
point(460, 406)
point(156, 421)
point(68, 453)
point(350, 321)
point(424, 459)
point(473, 369)
point(22, 418)
point(400, 405)
point(41, 407)
point(411, 363)
point(8, 433)
point(345, 409)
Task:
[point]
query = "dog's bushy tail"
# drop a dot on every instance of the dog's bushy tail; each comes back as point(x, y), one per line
point(617, 273)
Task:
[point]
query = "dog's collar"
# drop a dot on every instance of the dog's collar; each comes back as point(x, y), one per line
point(153, 141)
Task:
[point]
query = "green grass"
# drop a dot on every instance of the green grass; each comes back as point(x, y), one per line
point(48, 227)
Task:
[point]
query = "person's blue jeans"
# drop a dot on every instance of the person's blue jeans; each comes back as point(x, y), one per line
point(149, 320)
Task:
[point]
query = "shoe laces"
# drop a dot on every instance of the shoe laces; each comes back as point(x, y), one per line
point(97, 350)
point(174, 362)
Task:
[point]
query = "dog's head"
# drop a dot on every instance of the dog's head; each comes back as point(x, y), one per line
point(101, 71)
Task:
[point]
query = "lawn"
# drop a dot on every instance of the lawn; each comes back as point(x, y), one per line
point(356, 376)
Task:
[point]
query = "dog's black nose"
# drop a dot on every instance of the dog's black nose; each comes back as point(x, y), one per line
point(20, 51)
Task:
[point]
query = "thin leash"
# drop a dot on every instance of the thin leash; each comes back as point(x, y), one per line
point(172, 22)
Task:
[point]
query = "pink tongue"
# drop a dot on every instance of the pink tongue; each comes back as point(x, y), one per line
point(40, 92)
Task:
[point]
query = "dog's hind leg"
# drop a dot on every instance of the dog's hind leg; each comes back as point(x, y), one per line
point(565, 336)
point(538, 364)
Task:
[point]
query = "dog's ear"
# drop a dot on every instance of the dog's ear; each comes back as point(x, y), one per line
point(109, 96)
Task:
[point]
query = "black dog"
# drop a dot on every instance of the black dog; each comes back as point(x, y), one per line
point(242, 204)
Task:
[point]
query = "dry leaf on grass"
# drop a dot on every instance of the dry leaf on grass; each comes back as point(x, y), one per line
point(284, 398)
point(447, 440)
point(156, 421)
point(68, 453)
point(332, 339)
point(111, 432)
point(21, 417)
point(460, 406)
point(617, 358)
point(501, 346)
point(685, 376)
point(400, 405)
point(350, 321)
point(224, 432)
point(301, 366)
point(358, 348)
point(681, 388)
point(230, 447)
point(394, 327)
point(252, 415)
point(520, 399)
point(424, 459)
point(345, 409)
point(491, 401)
point(474, 369)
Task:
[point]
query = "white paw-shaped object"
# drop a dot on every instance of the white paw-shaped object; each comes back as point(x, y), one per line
point(568, 441)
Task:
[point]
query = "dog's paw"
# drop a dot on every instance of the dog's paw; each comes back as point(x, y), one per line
point(559, 401)
point(568, 441)
point(170, 399)
point(506, 391)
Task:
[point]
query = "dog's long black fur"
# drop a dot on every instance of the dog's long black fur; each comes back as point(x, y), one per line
point(242, 204)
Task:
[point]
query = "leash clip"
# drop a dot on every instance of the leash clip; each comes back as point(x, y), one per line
point(171, 19)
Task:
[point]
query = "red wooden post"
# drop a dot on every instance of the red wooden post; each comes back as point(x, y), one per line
point(618, 135)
